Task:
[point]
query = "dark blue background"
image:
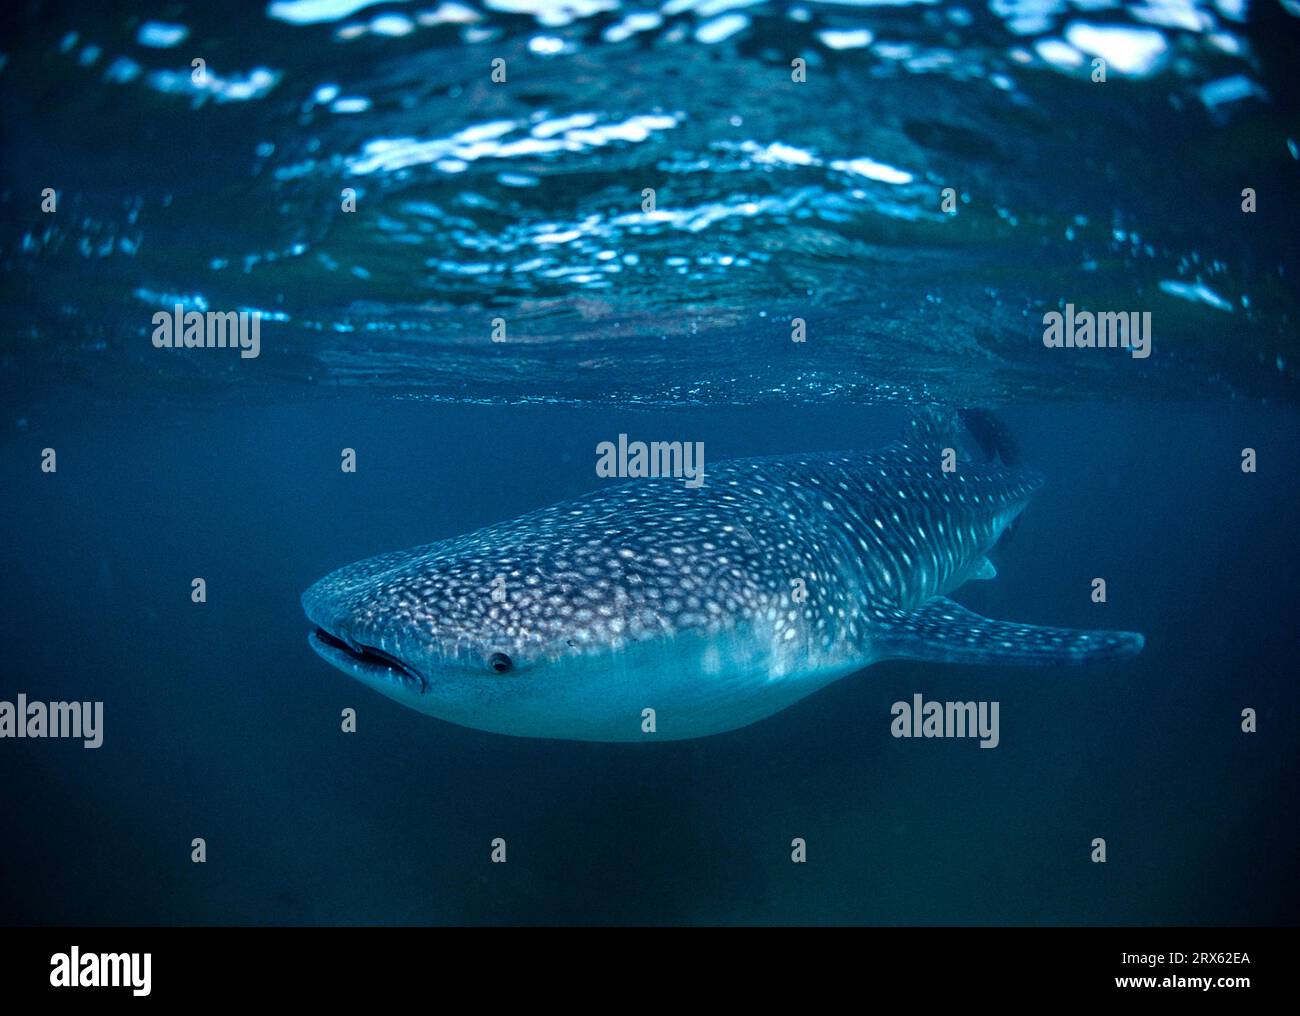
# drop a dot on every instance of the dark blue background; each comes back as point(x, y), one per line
point(220, 722)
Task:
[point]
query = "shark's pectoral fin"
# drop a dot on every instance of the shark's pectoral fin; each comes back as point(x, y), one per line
point(942, 631)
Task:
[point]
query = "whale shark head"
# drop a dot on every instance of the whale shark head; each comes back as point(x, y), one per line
point(420, 622)
point(546, 626)
point(440, 630)
point(426, 641)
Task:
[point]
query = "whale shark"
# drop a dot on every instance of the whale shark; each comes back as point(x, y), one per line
point(692, 611)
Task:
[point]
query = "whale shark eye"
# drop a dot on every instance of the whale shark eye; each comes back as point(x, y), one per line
point(500, 662)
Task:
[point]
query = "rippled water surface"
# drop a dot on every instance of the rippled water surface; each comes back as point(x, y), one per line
point(523, 200)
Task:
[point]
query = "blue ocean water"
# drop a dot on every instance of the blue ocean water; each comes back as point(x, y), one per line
point(523, 201)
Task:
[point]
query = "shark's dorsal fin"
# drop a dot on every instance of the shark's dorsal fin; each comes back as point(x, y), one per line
point(979, 430)
point(942, 631)
point(932, 427)
point(983, 569)
point(991, 435)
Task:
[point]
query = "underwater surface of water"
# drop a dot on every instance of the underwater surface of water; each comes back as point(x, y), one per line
point(474, 282)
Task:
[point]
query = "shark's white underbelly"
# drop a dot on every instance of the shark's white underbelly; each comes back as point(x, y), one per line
point(680, 687)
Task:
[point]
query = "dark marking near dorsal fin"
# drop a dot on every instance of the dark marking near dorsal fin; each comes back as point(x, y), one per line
point(937, 427)
point(991, 435)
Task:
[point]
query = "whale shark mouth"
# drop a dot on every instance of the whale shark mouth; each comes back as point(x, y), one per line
point(368, 658)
